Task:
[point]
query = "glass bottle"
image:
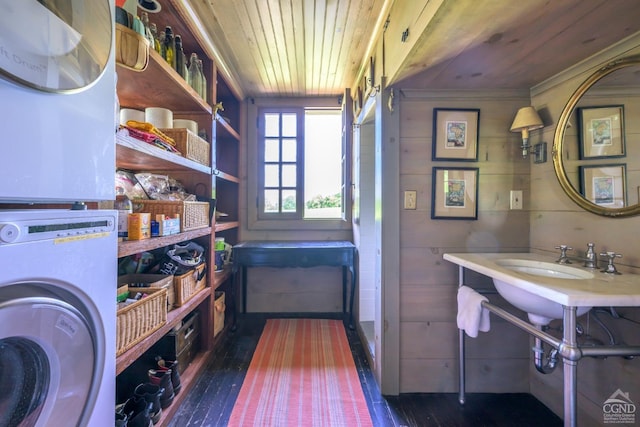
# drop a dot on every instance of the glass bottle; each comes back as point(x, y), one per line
point(169, 47)
point(194, 75)
point(185, 67)
point(203, 81)
point(180, 67)
point(124, 207)
point(144, 17)
point(156, 38)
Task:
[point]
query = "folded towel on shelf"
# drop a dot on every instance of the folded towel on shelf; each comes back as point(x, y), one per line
point(472, 316)
point(148, 127)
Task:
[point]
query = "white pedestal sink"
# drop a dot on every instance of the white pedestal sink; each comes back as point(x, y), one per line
point(547, 290)
point(540, 310)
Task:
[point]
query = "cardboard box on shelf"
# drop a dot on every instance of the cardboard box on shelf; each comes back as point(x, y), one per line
point(168, 226)
point(139, 226)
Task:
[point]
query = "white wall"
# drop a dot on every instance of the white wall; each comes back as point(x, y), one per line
point(498, 360)
point(366, 236)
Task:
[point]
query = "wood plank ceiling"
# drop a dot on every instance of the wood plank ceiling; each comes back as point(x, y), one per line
point(296, 47)
point(319, 47)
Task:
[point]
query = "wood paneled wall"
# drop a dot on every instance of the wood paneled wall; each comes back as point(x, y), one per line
point(498, 360)
point(555, 220)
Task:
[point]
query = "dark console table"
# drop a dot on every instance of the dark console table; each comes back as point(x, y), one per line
point(283, 254)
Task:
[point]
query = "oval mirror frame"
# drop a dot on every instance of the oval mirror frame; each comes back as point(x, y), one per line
point(559, 137)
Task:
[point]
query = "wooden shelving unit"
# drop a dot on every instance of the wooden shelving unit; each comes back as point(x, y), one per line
point(227, 225)
point(161, 86)
point(132, 247)
point(137, 155)
point(173, 318)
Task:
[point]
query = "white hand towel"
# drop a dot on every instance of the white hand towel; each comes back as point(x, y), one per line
point(472, 316)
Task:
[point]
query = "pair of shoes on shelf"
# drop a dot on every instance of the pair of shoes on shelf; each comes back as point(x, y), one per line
point(150, 394)
point(172, 366)
point(121, 418)
point(135, 412)
point(162, 379)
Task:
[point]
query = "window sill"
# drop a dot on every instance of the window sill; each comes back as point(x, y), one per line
point(307, 224)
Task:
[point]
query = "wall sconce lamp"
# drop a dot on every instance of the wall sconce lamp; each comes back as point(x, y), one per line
point(527, 119)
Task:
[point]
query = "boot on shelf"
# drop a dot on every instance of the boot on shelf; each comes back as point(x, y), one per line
point(151, 393)
point(121, 419)
point(163, 380)
point(135, 412)
point(175, 374)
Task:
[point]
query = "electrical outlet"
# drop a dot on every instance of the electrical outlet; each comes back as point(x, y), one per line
point(410, 199)
point(515, 200)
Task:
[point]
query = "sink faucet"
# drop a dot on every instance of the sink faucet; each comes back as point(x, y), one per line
point(590, 259)
point(564, 259)
point(610, 268)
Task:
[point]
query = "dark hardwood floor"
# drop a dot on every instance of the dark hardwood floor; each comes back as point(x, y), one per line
point(210, 401)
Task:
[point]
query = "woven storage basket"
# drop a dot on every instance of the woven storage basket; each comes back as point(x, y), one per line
point(132, 49)
point(218, 313)
point(151, 281)
point(192, 214)
point(140, 319)
point(187, 285)
point(190, 145)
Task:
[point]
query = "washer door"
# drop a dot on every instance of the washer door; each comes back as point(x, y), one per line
point(55, 45)
point(47, 364)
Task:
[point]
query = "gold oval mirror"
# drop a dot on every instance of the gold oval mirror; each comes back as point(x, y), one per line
point(596, 153)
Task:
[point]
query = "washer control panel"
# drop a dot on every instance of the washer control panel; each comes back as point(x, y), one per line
point(31, 227)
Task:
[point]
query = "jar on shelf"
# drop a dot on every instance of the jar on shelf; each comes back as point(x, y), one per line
point(195, 78)
point(153, 30)
point(169, 47)
point(144, 17)
point(203, 81)
point(124, 207)
point(181, 67)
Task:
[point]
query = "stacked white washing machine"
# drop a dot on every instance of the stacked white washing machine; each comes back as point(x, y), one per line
point(57, 266)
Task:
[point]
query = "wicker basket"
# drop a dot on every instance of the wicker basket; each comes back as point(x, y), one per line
point(187, 285)
point(190, 145)
point(219, 307)
point(193, 215)
point(132, 49)
point(151, 281)
point(140, 319)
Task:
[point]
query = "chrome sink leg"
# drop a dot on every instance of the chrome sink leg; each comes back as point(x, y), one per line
point(570, 367)
point(461, 351)
point(461, 363)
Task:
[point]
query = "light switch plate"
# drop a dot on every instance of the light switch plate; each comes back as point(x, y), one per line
point(515, 200)
point(410, 199)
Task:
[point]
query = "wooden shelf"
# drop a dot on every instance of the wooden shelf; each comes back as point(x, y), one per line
point(222, 276)
point(227, 177)
point(226, 129)
point(133, 154)
point(158, 85)
point(130, 247)
point(188, 379)
point(190, 376)
point(226, 225)
point(173, 318)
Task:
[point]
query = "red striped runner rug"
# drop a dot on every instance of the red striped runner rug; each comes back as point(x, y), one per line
point(301, 374)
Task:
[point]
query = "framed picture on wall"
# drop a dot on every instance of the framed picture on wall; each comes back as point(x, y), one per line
point(601, 131)
point(455, 134)
point(604, 185)
point(454, 193)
